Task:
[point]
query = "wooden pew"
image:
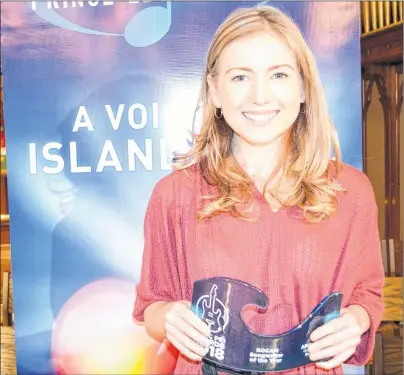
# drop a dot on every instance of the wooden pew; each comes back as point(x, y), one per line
point(8, 362)
point(388, 353)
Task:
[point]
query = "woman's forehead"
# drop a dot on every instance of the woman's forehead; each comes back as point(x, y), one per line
point(261, 50)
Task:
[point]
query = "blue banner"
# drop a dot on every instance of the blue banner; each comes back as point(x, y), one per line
point(97, 96)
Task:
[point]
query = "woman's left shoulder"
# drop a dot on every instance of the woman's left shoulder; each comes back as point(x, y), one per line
point(355, 183)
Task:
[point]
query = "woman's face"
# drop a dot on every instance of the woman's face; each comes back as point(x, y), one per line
point(258, 87)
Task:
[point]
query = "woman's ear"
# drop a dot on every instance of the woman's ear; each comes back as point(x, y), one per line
point(213, 91)
point(302, 97)
point(302, 93)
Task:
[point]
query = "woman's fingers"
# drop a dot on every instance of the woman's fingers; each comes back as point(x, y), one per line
point(186, 343)
point(188, 333)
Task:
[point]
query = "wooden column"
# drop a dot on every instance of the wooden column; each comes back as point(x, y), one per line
point(382, 68)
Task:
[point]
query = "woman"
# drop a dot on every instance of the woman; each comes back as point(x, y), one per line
point(259, 198)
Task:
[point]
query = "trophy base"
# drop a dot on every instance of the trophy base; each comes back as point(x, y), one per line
point(210, 369)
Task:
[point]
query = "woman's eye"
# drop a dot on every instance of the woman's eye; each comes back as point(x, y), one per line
point(239, 78)
point(280, 75)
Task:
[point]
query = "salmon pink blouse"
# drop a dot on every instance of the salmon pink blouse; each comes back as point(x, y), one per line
point(296, 264)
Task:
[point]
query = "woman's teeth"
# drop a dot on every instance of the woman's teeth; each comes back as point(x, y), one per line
point(260, 117)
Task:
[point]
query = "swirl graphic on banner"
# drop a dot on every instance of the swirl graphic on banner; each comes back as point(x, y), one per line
point(145, 28)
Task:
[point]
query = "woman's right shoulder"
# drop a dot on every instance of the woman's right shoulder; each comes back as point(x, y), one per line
point(178, 186)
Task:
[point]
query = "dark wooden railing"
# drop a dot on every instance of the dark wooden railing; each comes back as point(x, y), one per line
point(380, 15)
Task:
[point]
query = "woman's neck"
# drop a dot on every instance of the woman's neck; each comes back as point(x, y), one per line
point(257, 161)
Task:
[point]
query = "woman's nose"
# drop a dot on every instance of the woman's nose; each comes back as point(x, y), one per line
point(261, 92)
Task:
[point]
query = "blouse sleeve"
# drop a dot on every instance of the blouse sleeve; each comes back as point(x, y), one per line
point(158, 279)
point(366, 278)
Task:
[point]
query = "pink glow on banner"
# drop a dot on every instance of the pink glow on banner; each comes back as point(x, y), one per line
point(94, 334)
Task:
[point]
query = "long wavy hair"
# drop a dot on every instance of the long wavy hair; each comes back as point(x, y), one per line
point(311, 159)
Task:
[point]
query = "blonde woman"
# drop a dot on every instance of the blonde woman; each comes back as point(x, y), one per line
point(262, 196)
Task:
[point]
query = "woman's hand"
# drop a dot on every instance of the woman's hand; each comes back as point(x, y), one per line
point(188, 333)
point(339, 338)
